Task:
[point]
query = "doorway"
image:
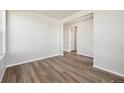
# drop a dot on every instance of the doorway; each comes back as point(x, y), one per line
point(78, 36)
point(70, 38)
point(74, 39)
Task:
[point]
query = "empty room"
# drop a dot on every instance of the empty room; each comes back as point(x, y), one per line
point(61, 46)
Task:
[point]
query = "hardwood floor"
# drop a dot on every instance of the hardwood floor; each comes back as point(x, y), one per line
point(70, 68)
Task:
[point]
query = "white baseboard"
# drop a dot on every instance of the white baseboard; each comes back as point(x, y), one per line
point(29, 61)
point(2, 55)
point(113, 72)
point(67, 51)
point(85, 55)
point(61, 54)
point(2, 74)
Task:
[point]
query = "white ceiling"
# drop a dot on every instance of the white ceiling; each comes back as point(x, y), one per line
point(57, 14)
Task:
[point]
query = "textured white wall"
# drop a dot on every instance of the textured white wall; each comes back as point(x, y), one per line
point(109, 41)
point(30, 36)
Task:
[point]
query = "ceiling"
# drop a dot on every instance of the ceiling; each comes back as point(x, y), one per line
point(80, 19)
point(57, 14)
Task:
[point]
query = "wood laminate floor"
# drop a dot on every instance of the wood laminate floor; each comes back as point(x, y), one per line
point(70, 68)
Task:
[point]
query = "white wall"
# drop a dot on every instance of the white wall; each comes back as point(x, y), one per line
point(2, 65)
point(73, 38)
point(0, 32)
point(109, 41)
point(85, 37)
point(60, 39)
point(2, 43)
point(66, 38)
point(30, 36)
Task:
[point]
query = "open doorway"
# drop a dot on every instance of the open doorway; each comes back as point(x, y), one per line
point(70, 38)
point(73, 39)
point(78, 36)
